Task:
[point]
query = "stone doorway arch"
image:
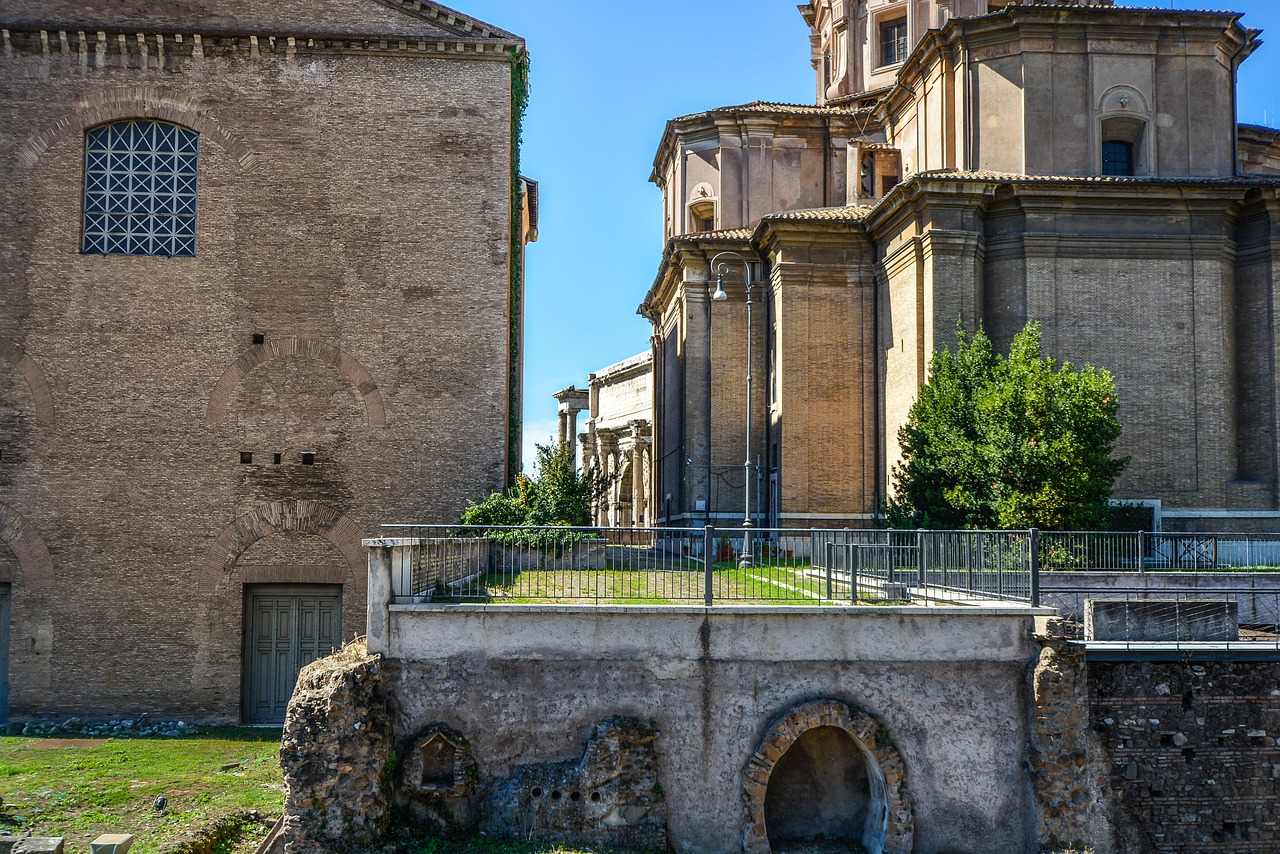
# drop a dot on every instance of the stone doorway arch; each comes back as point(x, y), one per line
point(840, 761)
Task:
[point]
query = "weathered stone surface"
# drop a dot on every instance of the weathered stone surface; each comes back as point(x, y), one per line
point(610, 796)
point(1071, 778)
point(39, 845)
point(335, 755)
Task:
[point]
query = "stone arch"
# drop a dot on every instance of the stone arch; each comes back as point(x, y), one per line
point(890, 821)
point(41, 396)
point(28, 547)
point(308, 517)
point(309, 348)
point(139, 102)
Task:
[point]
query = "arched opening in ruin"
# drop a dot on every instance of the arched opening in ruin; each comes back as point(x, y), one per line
point(826, 773)
point(821, 791)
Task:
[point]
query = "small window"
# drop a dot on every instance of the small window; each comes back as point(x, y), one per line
point(887, 183)
point(246, 458)
point(308, 458)
point(140, 189)
point(893, 41)
point(275, 459)
point(259, 339)
point(1117, 158)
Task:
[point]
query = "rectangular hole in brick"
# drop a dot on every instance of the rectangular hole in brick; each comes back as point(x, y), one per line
point(1166, 740)
point(259, 338)
point(308, 458)
point(1189, 754)
point(246, 458)
point(276, 459)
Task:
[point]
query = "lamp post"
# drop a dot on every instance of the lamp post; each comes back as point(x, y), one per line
point(746, 558)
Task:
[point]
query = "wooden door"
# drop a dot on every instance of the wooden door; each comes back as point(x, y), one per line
point(286, 628)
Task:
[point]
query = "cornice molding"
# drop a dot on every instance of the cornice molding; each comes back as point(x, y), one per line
point(102, 48)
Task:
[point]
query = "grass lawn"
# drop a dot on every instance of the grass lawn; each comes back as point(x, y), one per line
point(80, 789)
point(761, 584)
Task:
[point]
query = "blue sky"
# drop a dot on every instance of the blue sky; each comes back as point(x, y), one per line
point(606, 76)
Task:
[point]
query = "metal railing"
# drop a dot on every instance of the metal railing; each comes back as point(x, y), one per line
point(455, 563)
point(1146, 551)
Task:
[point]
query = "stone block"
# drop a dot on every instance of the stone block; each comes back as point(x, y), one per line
point(39, 845)
point(1162, 620)
point(8, 840)
point(111, 843)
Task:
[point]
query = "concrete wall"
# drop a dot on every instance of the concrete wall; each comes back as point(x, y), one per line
point(526, 684)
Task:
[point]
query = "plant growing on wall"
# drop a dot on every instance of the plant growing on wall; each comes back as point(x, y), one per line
point(1017, 442)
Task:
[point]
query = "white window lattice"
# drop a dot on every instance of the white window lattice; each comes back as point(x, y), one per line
point(140, 189)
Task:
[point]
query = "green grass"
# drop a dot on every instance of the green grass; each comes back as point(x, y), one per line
point(770, 582)
point(82, 792)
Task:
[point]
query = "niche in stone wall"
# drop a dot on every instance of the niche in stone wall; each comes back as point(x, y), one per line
point(438, 779)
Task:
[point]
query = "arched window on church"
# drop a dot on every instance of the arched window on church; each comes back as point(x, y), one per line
point(703, 215)
point(140, 189)
point(1123, 144)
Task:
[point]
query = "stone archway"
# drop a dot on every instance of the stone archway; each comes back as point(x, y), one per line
point(838, 760)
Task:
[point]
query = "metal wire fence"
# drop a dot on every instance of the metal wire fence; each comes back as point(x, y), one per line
point(1180, 618)
point(455, 563)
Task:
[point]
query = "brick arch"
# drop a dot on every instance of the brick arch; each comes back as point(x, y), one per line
point(278, 517)
point(140, 102)
point(310, 348)
point(885, 767)
point(33, 555)
point(41, 396)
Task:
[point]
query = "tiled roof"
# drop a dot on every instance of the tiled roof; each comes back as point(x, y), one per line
point(773, 108)
point(847, 213)
point(724, 234)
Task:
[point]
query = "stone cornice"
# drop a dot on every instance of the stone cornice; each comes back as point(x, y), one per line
point(140, 49)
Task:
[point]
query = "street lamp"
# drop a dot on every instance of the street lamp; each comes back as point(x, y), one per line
point(746, 558)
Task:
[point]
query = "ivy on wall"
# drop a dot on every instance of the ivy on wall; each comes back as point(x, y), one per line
point(519, 104)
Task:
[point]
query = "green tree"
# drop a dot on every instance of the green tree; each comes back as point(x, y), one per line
point(1020, 442)
point(557, 494)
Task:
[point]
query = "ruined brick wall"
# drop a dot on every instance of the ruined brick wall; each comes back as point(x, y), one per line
point(1192, 750)
point(354, 212)
point(1146, 757)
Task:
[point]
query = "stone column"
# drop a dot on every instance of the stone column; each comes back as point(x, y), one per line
point(572, 401)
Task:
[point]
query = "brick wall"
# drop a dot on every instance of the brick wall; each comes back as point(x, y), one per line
point(1152, 757)
point(354, 211)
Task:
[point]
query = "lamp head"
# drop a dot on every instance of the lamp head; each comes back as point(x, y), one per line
point(720, 295)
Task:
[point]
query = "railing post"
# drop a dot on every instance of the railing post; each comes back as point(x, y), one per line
point(1035, 567)
point(830, 556)
point(920, 565)
point(708, 538)
point(1142, 552)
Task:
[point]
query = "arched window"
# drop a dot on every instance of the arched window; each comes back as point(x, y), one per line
point(140, 189)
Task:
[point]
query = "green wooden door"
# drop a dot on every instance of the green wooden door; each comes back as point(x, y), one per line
point(286, 627)
point(4, 653)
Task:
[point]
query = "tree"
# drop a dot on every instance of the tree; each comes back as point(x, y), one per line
point(557, 494)
point(1008, 443)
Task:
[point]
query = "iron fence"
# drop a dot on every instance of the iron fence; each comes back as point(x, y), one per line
point(456, 563)
point(1146, 551)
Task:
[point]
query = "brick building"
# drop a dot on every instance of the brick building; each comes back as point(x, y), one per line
point(1074, 163)
point(260, 291)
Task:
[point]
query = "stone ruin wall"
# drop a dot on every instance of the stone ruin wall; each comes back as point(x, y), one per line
point(1156, 757)
point(1134, 757)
